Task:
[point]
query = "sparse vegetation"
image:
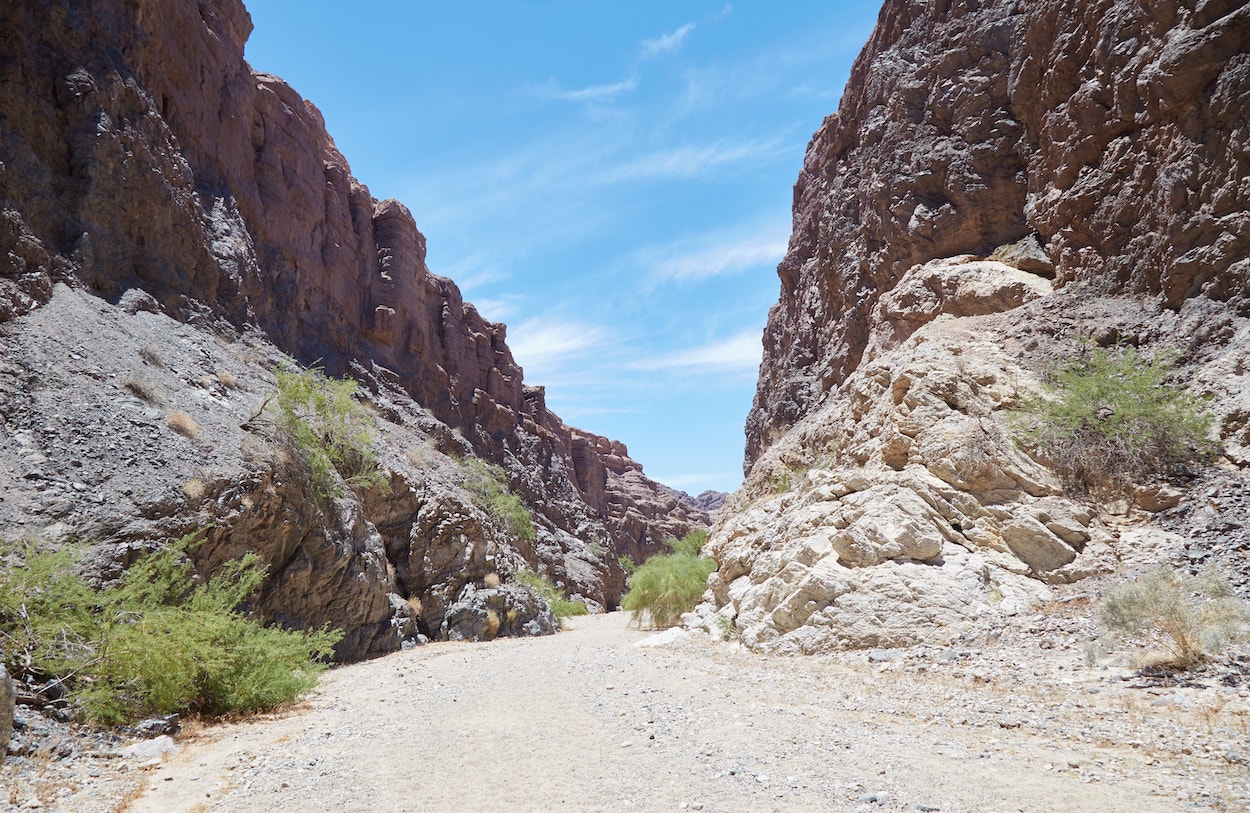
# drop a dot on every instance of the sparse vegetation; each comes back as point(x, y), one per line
point(540, 584)
point(786, 478)
point(488, 484)
point(183, 424)
point(664, 587)
point(1116, 418)
point(143, 387)
point(328, 430)
point(227, 379)
point(1194, 618)
point(150, 356)
point(157, 642)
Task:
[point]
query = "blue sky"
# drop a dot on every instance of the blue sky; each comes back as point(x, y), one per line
point(613, 180)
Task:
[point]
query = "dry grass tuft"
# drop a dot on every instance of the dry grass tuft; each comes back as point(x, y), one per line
point(228, 380)
point(183, 424)
point(149, 355)
point(195, 488)
point(491, 580)
point(143, 387)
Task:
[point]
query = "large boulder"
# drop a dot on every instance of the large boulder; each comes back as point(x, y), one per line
point(486, 613)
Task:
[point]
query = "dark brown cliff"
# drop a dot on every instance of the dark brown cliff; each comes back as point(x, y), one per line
point(143, 162)
point(1107, 138)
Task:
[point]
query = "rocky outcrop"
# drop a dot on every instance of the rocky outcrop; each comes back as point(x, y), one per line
point(711, 501)
point(1103, 139)
point(491, 612)
point(1002, 184)
point(155, 189)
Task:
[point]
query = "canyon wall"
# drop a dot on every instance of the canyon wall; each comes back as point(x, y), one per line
point(1103, 140)
point(144, 164)
point(1002, 185)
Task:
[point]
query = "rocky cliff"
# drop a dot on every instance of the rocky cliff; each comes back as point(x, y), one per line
point(175, 226)
point(1002, 183)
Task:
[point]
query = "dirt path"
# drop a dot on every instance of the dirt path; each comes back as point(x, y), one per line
point(585, 721)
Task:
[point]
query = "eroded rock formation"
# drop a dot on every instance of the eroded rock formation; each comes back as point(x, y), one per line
point(1108, 136)
point(151, 181)
point(1001, 183)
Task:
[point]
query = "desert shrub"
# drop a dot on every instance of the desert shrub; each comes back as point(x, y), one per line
point(691, 544)
point(48, 615)
point(664, 587)
point(783, 479)
point(627, 562)
point(488, 485)
point(540, 584)
point(1115, 418)
point(183, 424)
point(144, 387)
point(151, 357)
point(228, 380)
point(328, 430)
point(157, 642)
point(1194, 618)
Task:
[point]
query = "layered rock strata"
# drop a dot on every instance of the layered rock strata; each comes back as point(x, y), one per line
point(144, 164)
point(1002, 184)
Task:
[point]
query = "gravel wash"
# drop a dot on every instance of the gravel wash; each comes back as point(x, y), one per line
point(586, 721)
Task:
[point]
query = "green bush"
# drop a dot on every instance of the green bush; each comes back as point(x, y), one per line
point(540, 584)
point(488, 484)
point(664, 587)
point(330, 432)
point(1195, 618)
point(691, 544)
point(158, 642)
point(1115, 419)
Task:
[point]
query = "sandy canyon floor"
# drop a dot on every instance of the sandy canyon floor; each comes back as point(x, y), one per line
point(587, 721)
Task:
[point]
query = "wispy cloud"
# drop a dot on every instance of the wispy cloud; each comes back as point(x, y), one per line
point(542, 346)
point(741, 352)
point(496, 310)
point(690, 161)
point(720, 252)
point(724, 258)
point(593, 93)
point(666, 44)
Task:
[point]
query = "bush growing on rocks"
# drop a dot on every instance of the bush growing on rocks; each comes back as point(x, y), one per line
point(1114, 419)
point(540, 584)
point(488, 484)
point(157, 642)
point(330, 432)
point(1194, 618)
point(664, 587)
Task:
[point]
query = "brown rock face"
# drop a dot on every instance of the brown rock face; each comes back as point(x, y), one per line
point(142, 161)
point(1101, 140)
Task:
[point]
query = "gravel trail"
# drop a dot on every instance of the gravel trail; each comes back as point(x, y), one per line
point(585, 721)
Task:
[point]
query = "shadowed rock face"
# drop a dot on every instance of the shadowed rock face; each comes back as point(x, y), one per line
point(140, 153)
point(1109, 135)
